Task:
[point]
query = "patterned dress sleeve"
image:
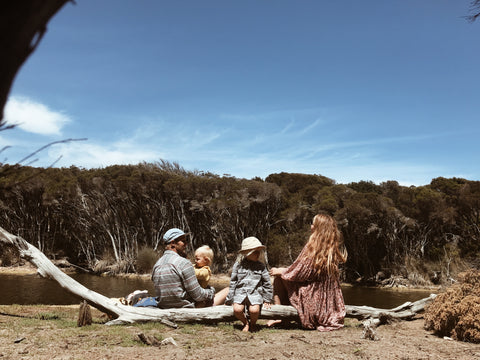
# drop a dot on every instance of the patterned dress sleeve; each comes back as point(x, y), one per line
point(301, 270)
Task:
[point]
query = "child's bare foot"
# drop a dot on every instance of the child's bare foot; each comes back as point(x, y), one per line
point(246, 328)
point(271, 323)
point(253, 328)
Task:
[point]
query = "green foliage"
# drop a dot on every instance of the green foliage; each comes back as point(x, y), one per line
point(124, 210)
point(366, 187)
point(294, 183)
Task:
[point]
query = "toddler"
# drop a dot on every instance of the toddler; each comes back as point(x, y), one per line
point(203, 260)
point(250, 284)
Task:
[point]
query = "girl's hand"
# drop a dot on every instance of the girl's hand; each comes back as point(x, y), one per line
point(267, 305)
point(275, 271)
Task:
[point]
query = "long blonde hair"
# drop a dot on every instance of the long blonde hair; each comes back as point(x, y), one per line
point(324, 245)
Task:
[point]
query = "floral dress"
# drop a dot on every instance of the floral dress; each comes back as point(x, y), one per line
point(317, 297)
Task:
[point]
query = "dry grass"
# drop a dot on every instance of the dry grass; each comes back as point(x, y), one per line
point(51, 332)
point(456, 312)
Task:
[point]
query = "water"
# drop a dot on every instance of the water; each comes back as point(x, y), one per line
point(32, 289)
point(381, 298)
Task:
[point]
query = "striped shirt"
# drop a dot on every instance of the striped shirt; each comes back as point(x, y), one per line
point(176, 285)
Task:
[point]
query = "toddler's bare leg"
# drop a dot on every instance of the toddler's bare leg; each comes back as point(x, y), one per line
point(254, 311)
point(220, 297)
point(239, 314)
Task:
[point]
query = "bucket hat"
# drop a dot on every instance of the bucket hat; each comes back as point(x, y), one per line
point(251, 244)
point(172, 235)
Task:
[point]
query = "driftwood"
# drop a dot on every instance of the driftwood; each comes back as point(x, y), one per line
point(128, 314)
point(405, 311)
point(84, 315)
point(153, 341)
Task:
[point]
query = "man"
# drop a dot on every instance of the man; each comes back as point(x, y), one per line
point(173, 276)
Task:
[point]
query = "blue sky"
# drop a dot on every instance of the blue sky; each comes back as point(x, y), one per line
point(353, 90)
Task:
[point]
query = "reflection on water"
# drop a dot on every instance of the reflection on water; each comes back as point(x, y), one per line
point(381, 298)
point(32, 289)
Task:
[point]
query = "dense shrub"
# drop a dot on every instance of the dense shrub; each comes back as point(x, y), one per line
point(8, 257)
point(456, 312)
point(146, 258)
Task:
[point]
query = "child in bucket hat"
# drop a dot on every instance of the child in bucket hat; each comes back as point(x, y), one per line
point(250, 285)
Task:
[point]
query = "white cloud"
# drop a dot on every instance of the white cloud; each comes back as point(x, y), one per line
point(88, 155)
point(34, 117)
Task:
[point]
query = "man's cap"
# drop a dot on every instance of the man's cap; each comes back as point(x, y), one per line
point(172, 235)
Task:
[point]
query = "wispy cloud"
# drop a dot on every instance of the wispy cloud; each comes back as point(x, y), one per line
point(310, 144)
point(95, 155)
point(34, 117)
point(310, 127)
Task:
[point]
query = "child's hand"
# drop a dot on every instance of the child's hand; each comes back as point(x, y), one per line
point(274, 271)
point(267, 305)
point(277, 271)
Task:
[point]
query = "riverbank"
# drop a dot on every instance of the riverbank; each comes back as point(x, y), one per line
point(51, 332)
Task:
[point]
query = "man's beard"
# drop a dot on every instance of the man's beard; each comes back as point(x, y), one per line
point(182, 254)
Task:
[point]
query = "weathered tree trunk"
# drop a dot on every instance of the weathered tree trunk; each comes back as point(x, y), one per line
point(129, 314)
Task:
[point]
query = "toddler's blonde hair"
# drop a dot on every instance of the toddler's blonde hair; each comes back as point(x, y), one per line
point(206, 251)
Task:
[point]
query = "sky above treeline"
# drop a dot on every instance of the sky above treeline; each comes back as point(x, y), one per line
point(352, 90)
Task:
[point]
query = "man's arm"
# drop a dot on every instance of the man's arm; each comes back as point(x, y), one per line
point(193, 288)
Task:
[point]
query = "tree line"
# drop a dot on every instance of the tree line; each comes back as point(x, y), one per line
point(88, 215)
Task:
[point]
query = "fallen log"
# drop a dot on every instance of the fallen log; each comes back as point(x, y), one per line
point(405, 311)
point(122, 314)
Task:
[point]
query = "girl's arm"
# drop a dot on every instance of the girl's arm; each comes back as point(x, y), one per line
point(277, 271)
point(267, 288)
point(233, 285)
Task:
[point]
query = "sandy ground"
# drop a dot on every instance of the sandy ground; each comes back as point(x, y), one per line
point(51, 332)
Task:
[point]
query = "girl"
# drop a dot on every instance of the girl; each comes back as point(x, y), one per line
point(311, 284)
point(250, 284)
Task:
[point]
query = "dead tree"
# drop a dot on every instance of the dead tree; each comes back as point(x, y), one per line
point(128, 314)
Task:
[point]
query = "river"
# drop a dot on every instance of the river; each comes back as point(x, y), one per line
point(32, 289)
